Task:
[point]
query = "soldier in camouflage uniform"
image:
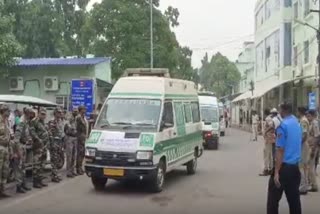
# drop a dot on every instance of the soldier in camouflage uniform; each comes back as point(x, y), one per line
point(40, 136)
point(56, 134)
point(82, 129)
point(4, 146)
point(22, 139)
point(70, 131)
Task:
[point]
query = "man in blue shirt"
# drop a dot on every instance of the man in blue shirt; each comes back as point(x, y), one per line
point(286, 175)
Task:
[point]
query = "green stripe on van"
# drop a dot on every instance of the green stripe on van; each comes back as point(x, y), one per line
point(172, 145)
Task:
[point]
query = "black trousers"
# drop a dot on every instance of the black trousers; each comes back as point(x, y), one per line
point(290, 181)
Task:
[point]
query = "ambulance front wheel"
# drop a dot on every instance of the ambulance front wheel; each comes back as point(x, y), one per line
point(99, 183)
point(192, 165)
point(157, 181)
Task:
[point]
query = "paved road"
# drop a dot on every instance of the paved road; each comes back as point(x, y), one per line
point(226, 182)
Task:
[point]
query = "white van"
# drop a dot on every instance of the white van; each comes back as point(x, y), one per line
point(222, 120)
point(147, 127)
point(210, 120)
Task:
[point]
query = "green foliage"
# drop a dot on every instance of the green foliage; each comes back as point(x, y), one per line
point(218, 75)
point(115, 28)
point(9, 47)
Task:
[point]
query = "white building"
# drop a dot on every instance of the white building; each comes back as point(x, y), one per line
point(305, 50)
point(273, 55)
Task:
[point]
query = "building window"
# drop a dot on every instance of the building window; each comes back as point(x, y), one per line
point(63, 101)
point(306, 52)
point(296, 10)
point(287, 3)
point(306, 4)
point(277, 5)
point(295, 56)
point(268, 9)
point(287, 44)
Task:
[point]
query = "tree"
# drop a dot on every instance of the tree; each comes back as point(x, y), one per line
point(219, 75)
point(127, 37)
point(9, 47)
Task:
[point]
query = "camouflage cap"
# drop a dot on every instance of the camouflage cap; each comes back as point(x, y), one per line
point(58, 110)
point(42, 111)
point(4, 107)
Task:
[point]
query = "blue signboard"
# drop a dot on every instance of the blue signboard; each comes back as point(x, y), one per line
point(82, 93)
point(312, 101)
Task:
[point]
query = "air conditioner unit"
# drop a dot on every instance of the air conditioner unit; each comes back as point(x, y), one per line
point(16, 84)
point(51, 83)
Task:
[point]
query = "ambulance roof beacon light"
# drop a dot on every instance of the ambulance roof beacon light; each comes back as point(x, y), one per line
point(156, 72)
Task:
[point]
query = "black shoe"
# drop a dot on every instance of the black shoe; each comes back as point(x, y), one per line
point(70, 175)
point(21, 190)
point(74, 174)
point(264, 173)
point(24, 186)
point(313, 190)
point(55, 180)
point(43, 184)
point(304, 193)
point(36, 184)
point(80, 172)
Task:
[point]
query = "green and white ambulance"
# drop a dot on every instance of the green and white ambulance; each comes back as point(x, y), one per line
point(148, 126)
point(210, 119)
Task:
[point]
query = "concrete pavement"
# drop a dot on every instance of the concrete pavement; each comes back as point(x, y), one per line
point(227, 181)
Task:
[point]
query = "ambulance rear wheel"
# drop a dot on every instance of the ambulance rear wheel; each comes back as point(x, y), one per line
point(99, 183)
point(192, 165)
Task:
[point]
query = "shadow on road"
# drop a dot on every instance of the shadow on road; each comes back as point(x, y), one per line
point(134, 188)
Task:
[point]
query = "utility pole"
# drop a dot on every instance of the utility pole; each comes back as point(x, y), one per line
point(151, 34)
point(318, 58)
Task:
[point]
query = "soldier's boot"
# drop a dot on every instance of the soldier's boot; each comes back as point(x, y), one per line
point(55, 180)
point(36, 183)
point(25, 187)
point(43, 184)
point(20, 189)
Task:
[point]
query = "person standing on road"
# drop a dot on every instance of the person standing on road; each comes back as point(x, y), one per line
point(4, 146)
point(314, 134)
point(255, 124)
point(70, 131)
point(56, 143)
point(269, 138)
point(286, 175)
point(40, 136)
point(22, 139)
point(305, 125)
point(82, 132)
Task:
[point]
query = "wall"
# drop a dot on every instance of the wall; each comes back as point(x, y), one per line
point(34, 83)
point(103, 71)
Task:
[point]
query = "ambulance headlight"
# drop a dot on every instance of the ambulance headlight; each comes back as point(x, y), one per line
point(90, 152)
point(144, 155)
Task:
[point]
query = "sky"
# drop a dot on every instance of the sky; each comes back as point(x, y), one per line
point(212, 25)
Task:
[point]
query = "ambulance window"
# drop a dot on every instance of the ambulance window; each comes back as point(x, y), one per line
point(195, 112)
point(168, 113)
point(187, 113)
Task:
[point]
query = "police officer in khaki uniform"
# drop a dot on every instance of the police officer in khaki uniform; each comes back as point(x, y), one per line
point(4, 146)
point(304, 123)
point(70, 130)
point(255, 124)
point(314, 134)
point(82, 132)
point(269, 138)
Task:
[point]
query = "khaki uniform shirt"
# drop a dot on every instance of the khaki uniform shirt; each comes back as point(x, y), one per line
point(314, 133)
point(305, 127)
point(269, 130)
